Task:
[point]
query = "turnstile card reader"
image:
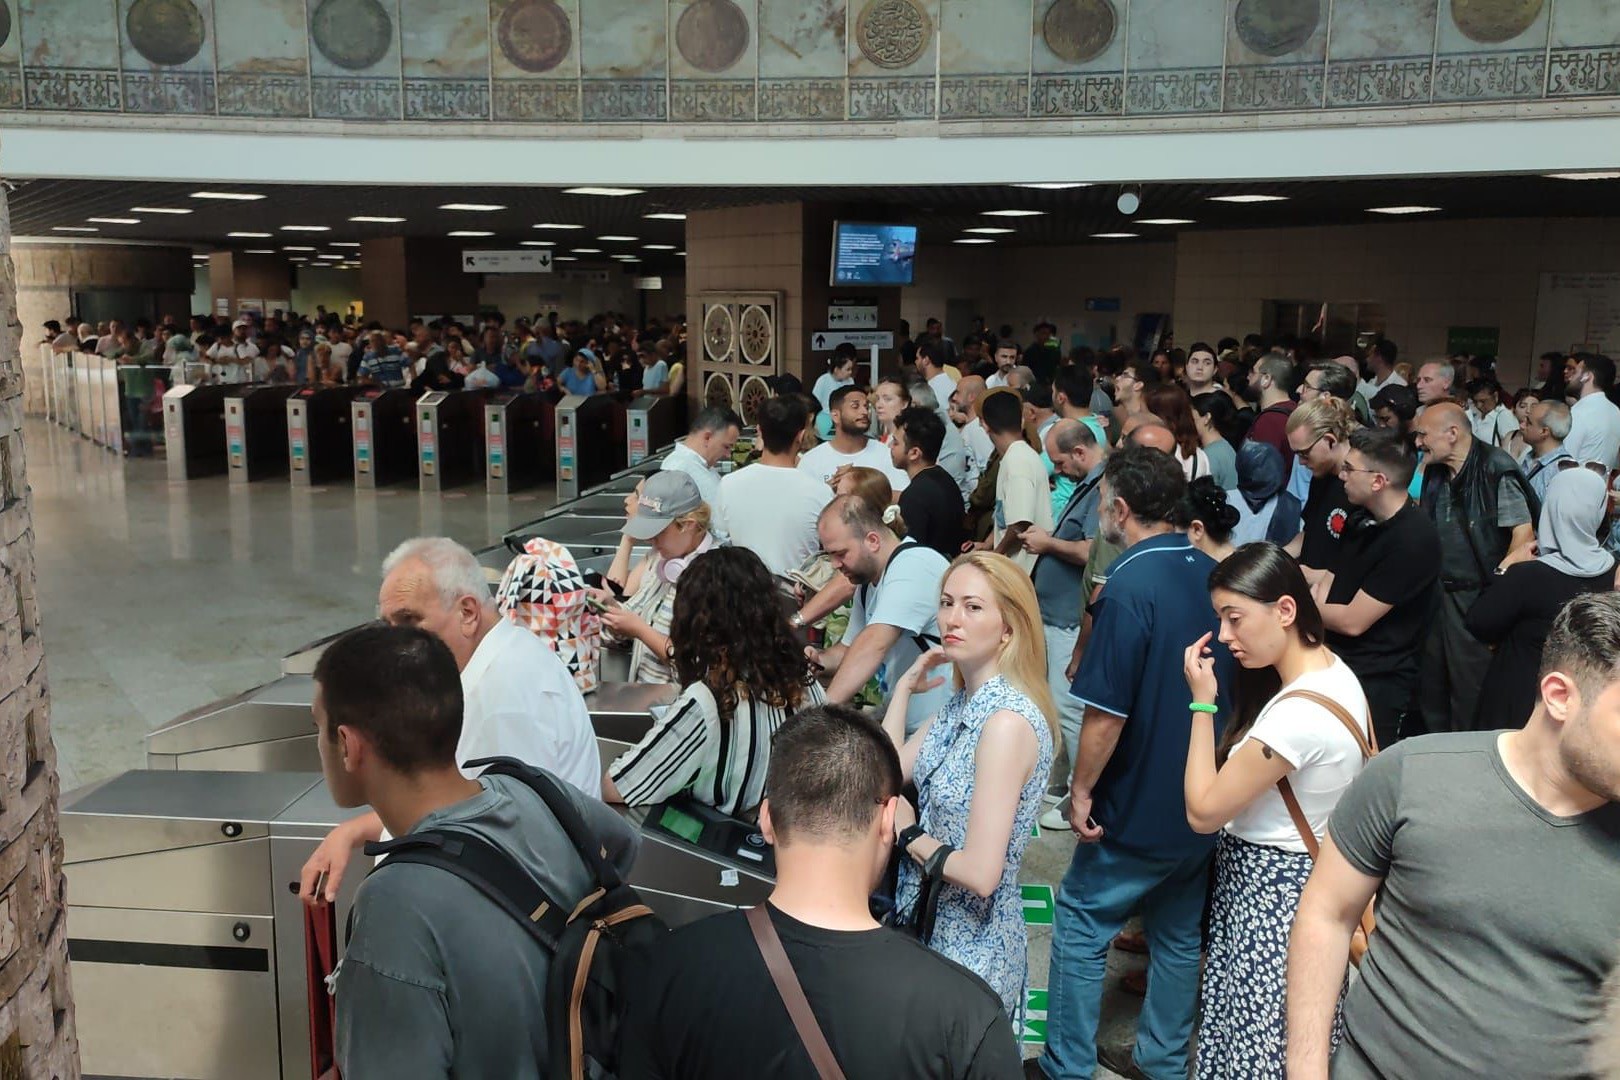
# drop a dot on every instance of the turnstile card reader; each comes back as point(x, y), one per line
point(256, 444)
point(194, 431)
point(450, 437)
point(320, 434)
point(383, 423)
point(520, 439)
point(651, 422)
point(590, 442)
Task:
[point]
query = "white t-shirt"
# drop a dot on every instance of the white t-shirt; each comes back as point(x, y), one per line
point(825, 459)
point(996, 381)
point(907, 597)
point(1022, 494)
point(979, 446)
point(684, 459)
point(823, 390)
point(1370, 387)
point(772, 511)
point(943, 387)
point(341, 351)
point(1594, 430)
point(522, 703)
point(1495, 428)
point(1324, 755)
point(1193, 467)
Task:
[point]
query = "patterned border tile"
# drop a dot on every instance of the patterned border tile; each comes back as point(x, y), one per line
point(712, 99)
point(11, 88)
point(892, 99)
point(820, 100)
point(72, 89)
point(1093, 93)
point(1191, 90)
point(1584, 71)
point(1399, 80)
point(1487, 76)
point(1260, 87)
point(623, 99)
point(537, 99)
point(446, 99)
point(972, 96)
point(262, 95)
point(169, 91)
point(355, 98)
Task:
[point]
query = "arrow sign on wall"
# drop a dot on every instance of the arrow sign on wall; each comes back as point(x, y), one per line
point(506, 262)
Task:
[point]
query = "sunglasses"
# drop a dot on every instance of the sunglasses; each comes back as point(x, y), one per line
point(1598, 467)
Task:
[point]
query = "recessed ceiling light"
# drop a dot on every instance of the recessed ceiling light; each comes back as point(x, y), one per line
point(331, 255)
point(565, 258)
point(1248, 198)
point(257, 251)
point(587, 251)
point(248, 235)
point(1163, 221)
point(557, 225)
point(665, 217)
point(1013, 213)
point(989, 230)
point(298, 258)
point(973, 240)
point(471, 232)
point(297, 249)
point(1402, 209)
point(1052, 186)
point(116, 220)
point(1113, 235)
point(538, 243)
point(158, 210)
point(1584, 176)
point(680, 253)
point(197, 256)
point(74, 228)
point(619, 238)
point(342, 243)
point(471, 206)
point(306, 228)
point(368, 217)
point(607, 192)
point(228, 196)
point(658, 247)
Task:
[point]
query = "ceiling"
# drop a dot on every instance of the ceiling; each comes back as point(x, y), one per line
point(1071, 216)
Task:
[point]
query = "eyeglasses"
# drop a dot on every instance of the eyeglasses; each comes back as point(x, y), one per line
point(1596, 466)
point(1349, 468)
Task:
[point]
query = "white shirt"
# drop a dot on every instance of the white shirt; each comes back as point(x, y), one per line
point(1022, 494)
point(522, 703)
point(1324, 755)
point(996, 381)
point(979, 446)
point(1372, 386)
point(684, 459)
point(1594, 430)
point(825, 459)
point(1495, 428)
point(955, 459)
point(907, 598)
point(823, 390)
point(1195, 466)
point(341, 351)
point(772, 510)
point(943, 387)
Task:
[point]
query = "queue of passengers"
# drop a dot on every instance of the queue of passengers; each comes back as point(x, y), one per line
point(1197, 621)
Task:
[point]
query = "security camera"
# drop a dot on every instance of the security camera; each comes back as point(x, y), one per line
point(1129, 201)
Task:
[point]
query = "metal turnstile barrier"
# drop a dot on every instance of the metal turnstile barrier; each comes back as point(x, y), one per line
point(650, 423)
point(520, 441)
point(320, 435)
point(194, 431)
point(383, 423)
point(590, 442)
point(256, 431)
point(109, 405)
point(450, 437)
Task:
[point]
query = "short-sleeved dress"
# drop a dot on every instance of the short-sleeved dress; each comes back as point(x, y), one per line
point(985, 934)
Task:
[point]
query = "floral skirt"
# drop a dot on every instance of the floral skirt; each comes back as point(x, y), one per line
point(1243, 1032)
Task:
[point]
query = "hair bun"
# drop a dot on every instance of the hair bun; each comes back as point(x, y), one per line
point(891, 514)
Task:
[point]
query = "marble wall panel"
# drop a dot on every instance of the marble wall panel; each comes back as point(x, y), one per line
point(1276, 52)
point(445, 60)
point(983, 61)
point(803, 62)
point(354, 59)
point(167, 55)
point(1174, 56)
point(70, 56)
point(1585, 56)
point(1380, 52)
point(1491, 49)
point(261, 48)
point(1078, 58)
point(893, 48)
point(713, 59)
point(11, 80)
point(624, 58)
point(535, 59)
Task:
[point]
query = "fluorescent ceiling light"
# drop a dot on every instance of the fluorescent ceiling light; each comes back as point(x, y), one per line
point(606, 192)
point(1052, 186)
point(471, 232)
point(680, 253)
point(74, 228)
point(331, 255)
point(248, 235)
point(1013, 213)
point(1248, 198)
point(1113, 235)
point(1402, 209)
point(619, 238)
point(973, 240)
point(538, 243)
point(306, 228)
point(298, 258)
point(227, 196)
point(342, 243)
point(665, 217)
point(197, 256)
point(557, 225)
point(989, 230)
point(256, 251)
point(368, 217)
point(116, 220)
point(297, 249)
point(1584, 176)
point(658, 247)
point(565, 258)
point(158, 210)
point(1163, 221)
point(471, 206)
point(587, 251)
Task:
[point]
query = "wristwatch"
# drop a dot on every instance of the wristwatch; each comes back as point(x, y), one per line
point(796, 621)
point(907, 837)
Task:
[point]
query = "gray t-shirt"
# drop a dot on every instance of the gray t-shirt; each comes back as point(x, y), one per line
point(907, 597)
point(1497, 921)
point(1058, 582)
point(437, 980)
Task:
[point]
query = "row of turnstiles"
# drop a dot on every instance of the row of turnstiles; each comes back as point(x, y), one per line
point(185, 931)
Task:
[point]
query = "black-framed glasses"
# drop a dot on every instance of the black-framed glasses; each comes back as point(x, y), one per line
point(1346, 467)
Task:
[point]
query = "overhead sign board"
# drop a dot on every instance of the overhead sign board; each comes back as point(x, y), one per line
point(852, 313)
point(828, 340)
point(595, 277)
point(649, 283)
point(536, 261)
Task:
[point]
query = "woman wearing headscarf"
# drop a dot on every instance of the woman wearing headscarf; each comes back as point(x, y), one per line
point(1268, 511)
point(1530, 587)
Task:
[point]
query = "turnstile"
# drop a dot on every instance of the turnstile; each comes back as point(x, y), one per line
point(320, 435)
point(194, 430)
point(383, 421)
point(590, 442)
point(450, 437)
point(520, 441)
point(256, 431)
point(651, 422)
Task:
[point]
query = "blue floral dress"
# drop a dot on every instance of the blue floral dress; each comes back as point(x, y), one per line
point(984, 934)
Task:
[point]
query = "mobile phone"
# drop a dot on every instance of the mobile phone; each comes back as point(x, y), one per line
point(595, 605)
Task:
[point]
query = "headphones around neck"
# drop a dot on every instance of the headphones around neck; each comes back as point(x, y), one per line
point(670, 570)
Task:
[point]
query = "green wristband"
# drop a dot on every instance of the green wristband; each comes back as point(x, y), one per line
point(1199, 706)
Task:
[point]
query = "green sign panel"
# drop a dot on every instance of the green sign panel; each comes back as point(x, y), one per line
point(1039, 905)
point(1032, 1032)
point(1473, 341)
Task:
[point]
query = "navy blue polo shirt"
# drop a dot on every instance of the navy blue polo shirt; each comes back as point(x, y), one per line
point(1155, 604)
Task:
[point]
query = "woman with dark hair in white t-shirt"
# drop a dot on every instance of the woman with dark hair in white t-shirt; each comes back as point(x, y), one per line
point(1268, 790)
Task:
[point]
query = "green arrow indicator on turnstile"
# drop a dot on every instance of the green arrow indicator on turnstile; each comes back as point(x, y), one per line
point(1039, 905)
point(1032, 1032)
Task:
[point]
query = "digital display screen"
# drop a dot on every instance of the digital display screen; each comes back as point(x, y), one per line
point(873, 254)
point(682, 824)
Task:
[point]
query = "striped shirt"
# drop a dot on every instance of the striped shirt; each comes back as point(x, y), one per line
point(721, 762)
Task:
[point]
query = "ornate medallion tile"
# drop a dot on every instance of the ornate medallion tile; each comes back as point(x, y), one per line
point(893, 33)
point(966, 97)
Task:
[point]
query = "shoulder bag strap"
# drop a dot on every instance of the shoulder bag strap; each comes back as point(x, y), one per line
point(1286, 790)
point(787, 985)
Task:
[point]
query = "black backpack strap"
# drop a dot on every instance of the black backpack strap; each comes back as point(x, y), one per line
point(486, 868)
point(922, 641)
point(563, 809)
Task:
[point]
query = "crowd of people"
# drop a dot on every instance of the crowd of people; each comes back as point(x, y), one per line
point(1317, 659)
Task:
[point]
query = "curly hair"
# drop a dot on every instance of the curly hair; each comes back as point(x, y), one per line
point(729, 631)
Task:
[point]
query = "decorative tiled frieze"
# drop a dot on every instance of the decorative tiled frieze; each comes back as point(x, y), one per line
point(169, 91)
point(1400, 80)
point(1484, 76)
point(356, 99)
point(1584, 71)
point(801, 99)
point(1099, 93)
point(72, 89)
point(891, 99)
point(623, 99)
point(536, 99)
point(11, 88)
point(1273, 86)
point(963, 97)
point(446, 99)
point(719, 99)
point(262, 95)
point(1190, 91)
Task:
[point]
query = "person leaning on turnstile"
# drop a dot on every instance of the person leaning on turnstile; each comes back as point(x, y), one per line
point(520, 700)
point(885, 1005)
point(436, 978)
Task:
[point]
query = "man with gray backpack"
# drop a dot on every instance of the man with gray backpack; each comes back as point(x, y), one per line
point(499, 915)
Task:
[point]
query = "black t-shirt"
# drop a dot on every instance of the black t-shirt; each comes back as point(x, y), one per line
point(1329, 515)
point(704, 1006)
point(932, 509)
point(1398, 563)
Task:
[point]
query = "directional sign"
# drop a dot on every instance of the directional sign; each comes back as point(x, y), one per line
point(828, 340)
point(852, 316)
point(1032, 1031)
point(1039, 905)
point(537, 261)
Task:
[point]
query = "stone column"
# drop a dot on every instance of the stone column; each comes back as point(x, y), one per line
point(37, 1036)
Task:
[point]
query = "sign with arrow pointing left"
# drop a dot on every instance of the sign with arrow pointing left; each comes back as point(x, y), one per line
point(537, 261)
